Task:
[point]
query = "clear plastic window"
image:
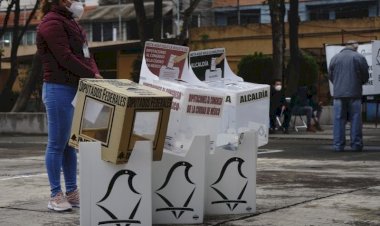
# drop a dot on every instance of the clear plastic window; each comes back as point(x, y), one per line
point(145, 126)
point(97, 120)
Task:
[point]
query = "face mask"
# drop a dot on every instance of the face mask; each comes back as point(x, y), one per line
point(76, 9)
point(278, 88)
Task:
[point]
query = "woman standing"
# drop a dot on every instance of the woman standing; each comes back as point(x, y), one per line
point(62, 45)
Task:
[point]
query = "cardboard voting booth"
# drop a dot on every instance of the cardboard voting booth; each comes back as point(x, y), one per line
point(231, 178)
point(115, 194)
point(196, 110)
point(246, 104)
point(178, 185)
point(118, 113)
point(371, 52)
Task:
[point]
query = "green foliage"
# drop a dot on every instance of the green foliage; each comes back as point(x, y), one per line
point(308, 70)
point(256, 68)
point(204, 37)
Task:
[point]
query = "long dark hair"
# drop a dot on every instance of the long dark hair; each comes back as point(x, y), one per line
point(46, 6)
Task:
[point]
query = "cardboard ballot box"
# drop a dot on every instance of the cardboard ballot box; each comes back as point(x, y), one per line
point(118, 112)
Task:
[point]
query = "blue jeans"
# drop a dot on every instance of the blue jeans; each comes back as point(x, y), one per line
point(59, 156)
point(304, 110)
point(351, 109)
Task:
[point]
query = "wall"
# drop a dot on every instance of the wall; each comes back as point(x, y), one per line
point(23, 123)
point(240, 41)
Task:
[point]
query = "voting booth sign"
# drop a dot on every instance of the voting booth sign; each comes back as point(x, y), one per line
point(196, 110)
point(246, 104)
point(118, 113)
point(371, 52)
point(115, 194)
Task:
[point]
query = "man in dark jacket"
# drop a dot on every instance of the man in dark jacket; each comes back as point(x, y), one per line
point(278, 107)
point(348, 71)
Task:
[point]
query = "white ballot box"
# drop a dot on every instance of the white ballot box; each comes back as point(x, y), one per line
point(231, 178)
point(115, 194)
point(178, 192)
point(246, 104)
point(196, 110)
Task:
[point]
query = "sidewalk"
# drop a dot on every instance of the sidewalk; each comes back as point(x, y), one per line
point(369, 133)
point(301, 182)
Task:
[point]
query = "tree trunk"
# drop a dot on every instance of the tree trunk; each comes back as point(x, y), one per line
point(141, 20)
point(29, 86)
point(186, 21)
point(294, 65)
point(277, 14)
point(157, 20)
point(7, 91)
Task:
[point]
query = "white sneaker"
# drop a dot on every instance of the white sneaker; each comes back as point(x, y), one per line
point(59, 203)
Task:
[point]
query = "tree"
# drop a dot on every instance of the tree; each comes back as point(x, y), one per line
point(186, 21)
point(256, 68)
point(294, 65)
point(141, 24)
point(17, 35)
point(141, 20)
point(5, 22)
point(29, 85)
point(277, 15)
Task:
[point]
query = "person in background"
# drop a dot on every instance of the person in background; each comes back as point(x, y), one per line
point(278, 106)
point(300, 106)
point(316, 106)
point(348, 71)
point(63, 48)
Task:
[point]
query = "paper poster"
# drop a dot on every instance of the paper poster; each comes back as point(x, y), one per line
point(164, 60)
point(208, 65)
point(372, 87)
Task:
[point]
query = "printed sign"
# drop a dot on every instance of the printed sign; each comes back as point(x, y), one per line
point(370, 51)
point(164, 60)
point(208, 65)
point(205, 105)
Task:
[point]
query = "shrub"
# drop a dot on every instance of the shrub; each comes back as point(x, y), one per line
point(256, 68)
point(308, 70)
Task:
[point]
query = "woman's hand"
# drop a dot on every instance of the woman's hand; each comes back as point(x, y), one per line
point(98, 76)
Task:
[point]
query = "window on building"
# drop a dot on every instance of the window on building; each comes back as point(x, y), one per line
point(352, 11)
point(231, 18)
point(107, 31)
point(250, 16)
point(96, 32)
point(340, 11)
point(7, 39)
point(132, 30)
point(319, 12)
point(195, 20)
point(30, 37)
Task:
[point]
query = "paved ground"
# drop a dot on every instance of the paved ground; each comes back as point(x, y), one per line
point(300, 181)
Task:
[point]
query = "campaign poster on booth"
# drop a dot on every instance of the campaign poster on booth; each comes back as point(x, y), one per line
point(165, 60)
point(372, 87)
point(208, 65)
